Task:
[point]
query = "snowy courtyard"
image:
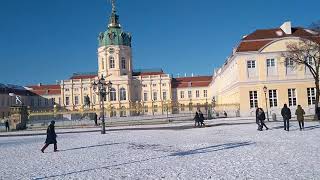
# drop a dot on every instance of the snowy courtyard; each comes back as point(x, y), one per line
point(169, 151)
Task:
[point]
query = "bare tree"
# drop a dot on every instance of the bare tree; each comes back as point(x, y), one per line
point(306, 53)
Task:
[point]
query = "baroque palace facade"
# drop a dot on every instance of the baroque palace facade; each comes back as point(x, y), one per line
point(258, 62)
point(150, 90)
point(235, 88)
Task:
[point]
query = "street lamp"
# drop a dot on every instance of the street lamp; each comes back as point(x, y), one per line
point(102, 89)
point(265, 89)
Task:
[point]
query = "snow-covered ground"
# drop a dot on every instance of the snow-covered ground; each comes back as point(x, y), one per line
point(172, 151)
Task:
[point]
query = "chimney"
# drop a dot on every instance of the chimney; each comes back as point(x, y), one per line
point(286, 27)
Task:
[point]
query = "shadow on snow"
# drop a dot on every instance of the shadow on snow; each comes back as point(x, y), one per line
point(208, 149)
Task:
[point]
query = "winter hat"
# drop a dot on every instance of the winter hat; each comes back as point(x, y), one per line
point(52, 122)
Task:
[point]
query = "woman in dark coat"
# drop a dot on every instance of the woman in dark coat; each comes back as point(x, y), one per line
point(201, 118)
point(262, 117)
point(51, 138)
point(196, 119)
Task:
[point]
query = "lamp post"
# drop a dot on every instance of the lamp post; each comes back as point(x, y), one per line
point(102, 89)
point(265, 89)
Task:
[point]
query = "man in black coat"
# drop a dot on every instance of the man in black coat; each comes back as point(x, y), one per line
point(196, 120)
point(286, 114)
point(95, 119)
point(7, 125)
point(258, 120)
point(51, 138)
point(201, 118)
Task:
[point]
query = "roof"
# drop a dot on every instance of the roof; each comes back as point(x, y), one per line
point(197, 81)
point(261, 37)
point(10, 88)
point(50, 89)
point(145, 72)
point(84, 75)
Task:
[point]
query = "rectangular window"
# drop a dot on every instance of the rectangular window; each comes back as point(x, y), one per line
point(144, 85)
point(311, 92)
point(46, 102)
point(292, 97)
point(145, 96)
point(270, 63)
point(67, 101)
point(251, 68)
point(67, 89)
point(181, 94)
point(189, 94)
point(273, 100)
point(164, 95)
point(76, 89)
point(59, 101)
point(155, 108)
point(155, 96)
point(253, 96)
point(123, 63)
point(197, 93)
point(154, 85)
point(205, 93)
point(290, 66)
point(85, 88)
point(145, 108)
point(271, 67)
point(163, 84)
point(53, 100)
point(182, 107)
point(76, 100)
point(251, 64)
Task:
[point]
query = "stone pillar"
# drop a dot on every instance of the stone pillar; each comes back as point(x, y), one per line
point(18, 117)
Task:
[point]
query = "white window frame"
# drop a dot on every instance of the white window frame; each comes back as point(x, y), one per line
point(181, 94)
point(273, 98)
point(197, 93)
point(76, 100)
point(251, 64)
point(164, 95)
point(205, 93)
point(311, 94)
point(113, 94)
point(123, 94)
point(253, 99)
point(145, 96)
point(292, 97)
point(111, 62)
point(155, 95)
point(189, 94)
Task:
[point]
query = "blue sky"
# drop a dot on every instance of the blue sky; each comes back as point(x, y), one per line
point(48, 40)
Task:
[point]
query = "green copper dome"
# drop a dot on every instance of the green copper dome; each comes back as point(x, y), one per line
point(114, 34)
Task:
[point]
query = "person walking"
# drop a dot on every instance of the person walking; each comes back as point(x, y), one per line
point(196, 119)
point(7, 126)
point(257, 120)
point(300, 112)
point(286, 114)
point(95, 118)
point(262, 117)
point(201, 118)
point(51, 138)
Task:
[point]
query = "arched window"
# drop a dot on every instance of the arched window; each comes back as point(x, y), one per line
point(111, 62)
point(123, 95)
point(123, 63)
point(113, 94)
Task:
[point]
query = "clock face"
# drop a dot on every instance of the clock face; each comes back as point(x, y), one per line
point(111, 50)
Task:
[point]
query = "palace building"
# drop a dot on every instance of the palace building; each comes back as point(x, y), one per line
point(151, 90)
point(255, 75)
point(258, 62)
